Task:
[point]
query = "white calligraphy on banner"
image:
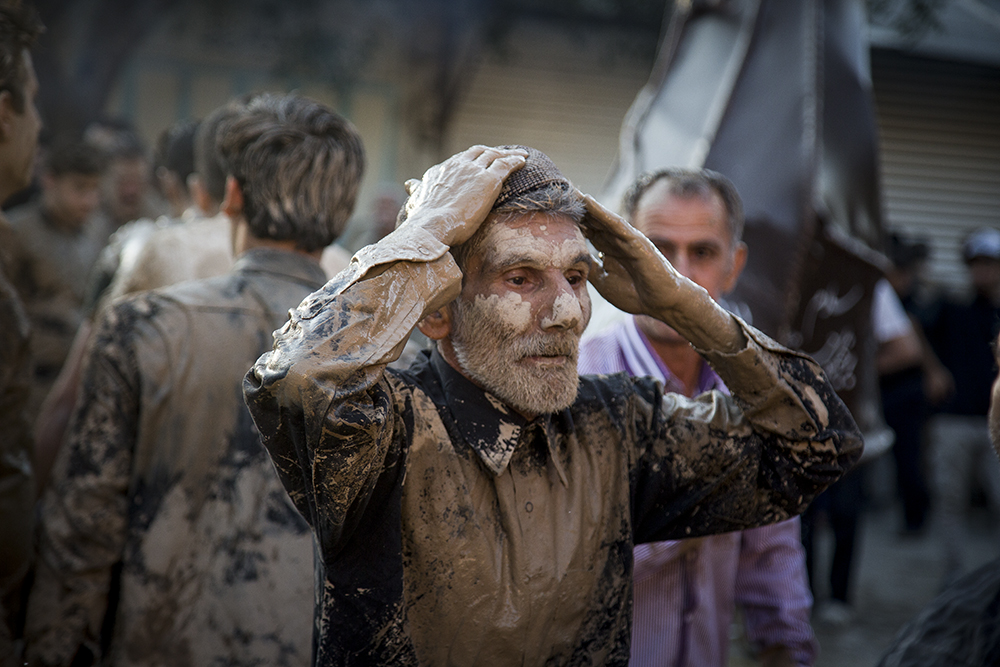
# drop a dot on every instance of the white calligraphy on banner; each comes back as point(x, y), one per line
point(837, 355)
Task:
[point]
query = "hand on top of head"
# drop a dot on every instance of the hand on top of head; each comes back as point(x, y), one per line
point(630, 272)
point(455, 197)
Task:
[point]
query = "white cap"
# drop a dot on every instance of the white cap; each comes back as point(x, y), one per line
point(983, 242)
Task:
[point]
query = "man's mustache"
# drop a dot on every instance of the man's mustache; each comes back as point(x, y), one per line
point(548, 345)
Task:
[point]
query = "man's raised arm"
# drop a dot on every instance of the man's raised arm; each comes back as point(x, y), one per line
point(810, 435)
point(324, 377)
point(634, 277)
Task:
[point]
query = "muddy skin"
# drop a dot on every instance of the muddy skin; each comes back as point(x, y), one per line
point(516, 327)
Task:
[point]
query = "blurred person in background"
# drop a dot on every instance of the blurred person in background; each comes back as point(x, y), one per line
point(126, 189)
point(19, 127)
point(173, 165)
point(909, 386)
point(389, 197)
point(166, 536)
point(842, 506)
point(202, 246)
point(961, 626)
point(686, 590)
point(962, 335)
point(145, 254)
point(116, 273)
point(57, 240)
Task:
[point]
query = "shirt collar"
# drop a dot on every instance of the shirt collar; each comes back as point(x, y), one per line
point(489, 426)
point(283, 263)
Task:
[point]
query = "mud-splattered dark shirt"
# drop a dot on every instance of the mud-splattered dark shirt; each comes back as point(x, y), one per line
point(452, 531)
point(166, 527)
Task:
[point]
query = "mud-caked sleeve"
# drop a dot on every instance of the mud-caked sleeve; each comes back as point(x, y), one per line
point(84, 511)
point(718, 463)
point(323, 405)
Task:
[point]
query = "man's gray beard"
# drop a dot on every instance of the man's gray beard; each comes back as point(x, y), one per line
point(489, 350)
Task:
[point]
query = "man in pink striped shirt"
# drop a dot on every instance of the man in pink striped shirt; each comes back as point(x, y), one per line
point(685, 591)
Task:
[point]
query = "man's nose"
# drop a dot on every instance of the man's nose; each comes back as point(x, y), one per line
point(565, 312)
point(681, 264)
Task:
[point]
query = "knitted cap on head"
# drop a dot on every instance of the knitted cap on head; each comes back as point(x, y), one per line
point(538, 171)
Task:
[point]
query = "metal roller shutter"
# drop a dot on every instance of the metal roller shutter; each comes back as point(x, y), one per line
point(940, 150)
point(564, 96)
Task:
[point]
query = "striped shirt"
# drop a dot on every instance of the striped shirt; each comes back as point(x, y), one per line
point(686, 590)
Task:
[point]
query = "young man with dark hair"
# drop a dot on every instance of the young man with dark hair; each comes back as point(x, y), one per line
point(481, 506)
point(19, 127)
point(166, 537)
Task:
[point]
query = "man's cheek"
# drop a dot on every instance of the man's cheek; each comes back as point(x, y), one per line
point(585, 307)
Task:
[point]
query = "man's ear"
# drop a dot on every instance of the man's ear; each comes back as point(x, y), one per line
point(232, 203)
point(437, 325)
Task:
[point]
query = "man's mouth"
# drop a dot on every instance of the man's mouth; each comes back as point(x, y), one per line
point(547, 359)
point(555, 351)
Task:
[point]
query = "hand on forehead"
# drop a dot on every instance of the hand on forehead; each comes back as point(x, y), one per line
point(454, 197)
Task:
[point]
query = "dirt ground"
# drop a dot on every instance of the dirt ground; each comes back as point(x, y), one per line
point(895, 577)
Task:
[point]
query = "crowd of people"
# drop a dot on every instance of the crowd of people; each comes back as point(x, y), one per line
point(226, 441)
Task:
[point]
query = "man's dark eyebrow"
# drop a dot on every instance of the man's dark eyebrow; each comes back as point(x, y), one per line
point(506, 262)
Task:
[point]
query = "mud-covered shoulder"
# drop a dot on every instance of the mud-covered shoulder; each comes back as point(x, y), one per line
point(617, 391)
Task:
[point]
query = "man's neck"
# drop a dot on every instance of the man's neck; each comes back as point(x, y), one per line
point(243, 240)
point(683, 362)
point(286, 246)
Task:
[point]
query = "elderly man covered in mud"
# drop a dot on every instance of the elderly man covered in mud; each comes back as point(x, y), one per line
point(481, 507)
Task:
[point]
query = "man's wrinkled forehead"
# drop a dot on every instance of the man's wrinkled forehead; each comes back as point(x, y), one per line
point(522, 240)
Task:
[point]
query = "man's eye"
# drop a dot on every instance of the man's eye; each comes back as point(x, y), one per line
point(516, 280)
point(574, 279)
point(667, 252)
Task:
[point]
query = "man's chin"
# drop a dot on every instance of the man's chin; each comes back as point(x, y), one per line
point(659, 332)
point(552, 391)
point(544, 362)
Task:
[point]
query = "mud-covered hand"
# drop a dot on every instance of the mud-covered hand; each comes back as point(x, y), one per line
point(453, 198)
point(634, 276)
